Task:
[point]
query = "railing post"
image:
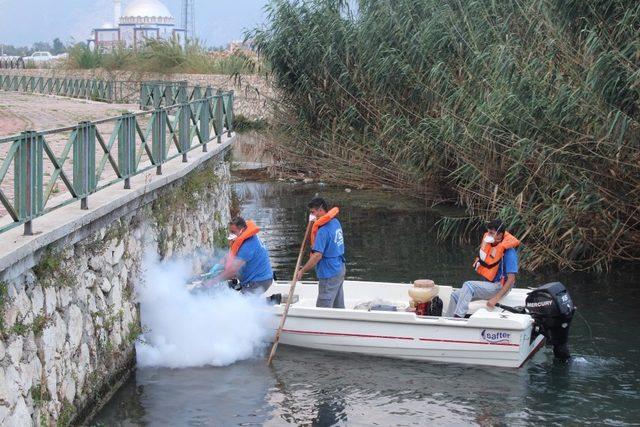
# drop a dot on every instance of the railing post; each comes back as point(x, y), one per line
point(168, 94)
point(229, 114)
point(183, 95)
point(109, 94)
point(127, 148)
point(159, 138)
point(156, 92)
point(184, 130)
point(27, 179)
point(197, 93)
point(204, 119)
point(84, 162)
point(219, 116)
point(143, 95)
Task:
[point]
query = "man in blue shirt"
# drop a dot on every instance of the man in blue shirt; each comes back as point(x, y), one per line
point(504, 270)
point(248, 259)
point(327, 255)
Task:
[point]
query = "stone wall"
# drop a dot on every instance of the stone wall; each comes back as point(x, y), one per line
point(253, 93)
point(68, 316)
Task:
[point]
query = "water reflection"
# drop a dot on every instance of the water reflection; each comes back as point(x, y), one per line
point(386, 238)
point(232, 395)
point(390, 238)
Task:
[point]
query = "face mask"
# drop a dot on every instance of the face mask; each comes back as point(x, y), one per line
point(231, 237)
point(489, 239)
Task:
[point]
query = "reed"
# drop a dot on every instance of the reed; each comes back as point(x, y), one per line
point(166, 57)
point(526, 110)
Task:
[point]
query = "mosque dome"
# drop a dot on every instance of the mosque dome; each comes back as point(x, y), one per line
point(146, 12)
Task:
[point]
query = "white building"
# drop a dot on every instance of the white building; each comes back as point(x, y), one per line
point(141, 20)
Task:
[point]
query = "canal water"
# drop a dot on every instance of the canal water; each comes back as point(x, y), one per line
point(392, 238)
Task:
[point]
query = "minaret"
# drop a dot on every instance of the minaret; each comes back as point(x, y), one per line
point(117, 12)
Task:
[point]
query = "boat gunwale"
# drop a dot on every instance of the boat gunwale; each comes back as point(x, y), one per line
point(409, 318)
point(512, 321)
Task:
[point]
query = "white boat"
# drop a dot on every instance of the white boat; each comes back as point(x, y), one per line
point(493, 337)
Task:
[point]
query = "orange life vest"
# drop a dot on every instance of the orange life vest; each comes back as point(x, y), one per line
point(333, 212)
point(488, 261)
point(251, 230)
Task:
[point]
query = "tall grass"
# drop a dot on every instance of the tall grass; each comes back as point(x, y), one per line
point(526, 110)
point(81, 57)
point(164, 56)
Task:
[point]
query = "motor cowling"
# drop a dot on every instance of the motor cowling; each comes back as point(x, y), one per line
point(552, 309)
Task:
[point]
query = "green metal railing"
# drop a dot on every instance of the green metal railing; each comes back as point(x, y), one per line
point(127, 145)
point(155, 94)
point(149, 94)
point(94, 89)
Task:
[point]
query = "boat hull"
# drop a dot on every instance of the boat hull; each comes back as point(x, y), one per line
point(487, 338)
point(424, 343)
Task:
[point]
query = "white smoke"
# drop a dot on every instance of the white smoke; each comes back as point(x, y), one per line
point(184, 329)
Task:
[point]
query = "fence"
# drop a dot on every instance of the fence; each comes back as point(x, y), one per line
point(149, 94)
point(94, 89)
point(93, 155)
point(11, 62)
point(155, 94)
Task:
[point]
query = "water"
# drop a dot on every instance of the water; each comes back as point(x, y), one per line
point(390, 238)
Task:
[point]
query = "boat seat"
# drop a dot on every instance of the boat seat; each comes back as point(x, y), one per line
point(477, 305)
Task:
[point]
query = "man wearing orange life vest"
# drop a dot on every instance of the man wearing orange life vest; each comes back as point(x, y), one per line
point(248, 258)
point(497, 263)
point(327, 255)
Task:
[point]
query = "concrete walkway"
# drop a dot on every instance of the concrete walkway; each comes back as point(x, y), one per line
point(20, 112)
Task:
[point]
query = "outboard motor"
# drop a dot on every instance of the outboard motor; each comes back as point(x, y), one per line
point(552, 309)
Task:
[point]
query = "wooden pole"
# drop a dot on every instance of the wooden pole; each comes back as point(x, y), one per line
point(291, 289)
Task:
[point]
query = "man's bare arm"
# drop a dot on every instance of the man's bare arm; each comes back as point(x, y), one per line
point(314, 259)
point(511, 279)
point(228, 273)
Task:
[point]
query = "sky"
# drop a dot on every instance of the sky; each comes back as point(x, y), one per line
point(23, 22)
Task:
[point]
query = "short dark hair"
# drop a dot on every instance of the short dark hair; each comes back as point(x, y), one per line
point(238, 222)
point(317, 203)
point(497, 225)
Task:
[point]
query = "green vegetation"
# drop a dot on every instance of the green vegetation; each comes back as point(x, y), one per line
point(49, 263)
point(20, 328)
point(40, 394)
point(117, 231)
point(185, 196)
point(523, 110)
point(135, 330)
point(55, 48)
point(50, 269)
point(196, 185)
point(220, 238)
point(39, 323)
point(67, 414)
point(243, 124)
point(4, 299)
point(236, 204)
point(167, 57)
point(80, 56)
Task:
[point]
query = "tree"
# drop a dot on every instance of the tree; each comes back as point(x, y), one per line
point(58, 47)
point(42, 46)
